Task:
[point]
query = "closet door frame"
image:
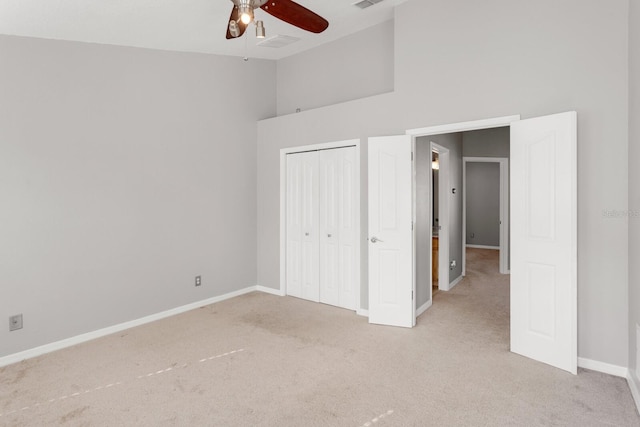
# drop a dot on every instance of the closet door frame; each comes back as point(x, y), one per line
point(283, 210)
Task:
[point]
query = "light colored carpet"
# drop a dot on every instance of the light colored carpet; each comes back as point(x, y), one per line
point(264, 360)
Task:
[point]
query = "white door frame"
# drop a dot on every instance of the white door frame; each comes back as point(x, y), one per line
point(504, 209)
point(283, 209)
point(443, 213)
point(454, 128)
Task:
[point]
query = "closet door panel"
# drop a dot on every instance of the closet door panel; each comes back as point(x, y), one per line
point(347, 231)
point(329, 228)
point(337, 227)
point(302, 226)
point(294, 226)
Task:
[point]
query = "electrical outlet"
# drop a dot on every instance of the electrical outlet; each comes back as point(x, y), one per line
point(473, 235)
point(15, 322)
point(452, 265)
point(198, 280)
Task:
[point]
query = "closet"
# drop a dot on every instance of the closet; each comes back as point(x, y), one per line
point(321, 232)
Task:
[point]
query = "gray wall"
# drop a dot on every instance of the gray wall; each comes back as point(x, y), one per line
point(496, 58)
point(486, 143)
point(123, 174)
point(634, 187)
point(353, 67)
point(483, 204)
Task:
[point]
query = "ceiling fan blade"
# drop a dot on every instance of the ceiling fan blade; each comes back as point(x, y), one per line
point(295, 14)
point(235, 16)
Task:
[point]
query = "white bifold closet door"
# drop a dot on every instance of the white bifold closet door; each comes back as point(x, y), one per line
point(321, 232)
point(337, 227)
point(302, 226)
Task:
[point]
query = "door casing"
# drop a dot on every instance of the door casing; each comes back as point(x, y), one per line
point(454, 128)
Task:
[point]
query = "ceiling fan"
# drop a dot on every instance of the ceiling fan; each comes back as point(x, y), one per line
point(286, 10)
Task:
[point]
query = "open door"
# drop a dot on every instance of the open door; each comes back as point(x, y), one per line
point(391, 284)
point(544, 239)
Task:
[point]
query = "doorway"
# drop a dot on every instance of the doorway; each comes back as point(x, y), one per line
point(431, 219)
point(489, 210)
point(543, 293)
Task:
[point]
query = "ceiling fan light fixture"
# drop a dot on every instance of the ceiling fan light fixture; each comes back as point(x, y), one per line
point(246, 13)
point(260, 32)
point(234, 30)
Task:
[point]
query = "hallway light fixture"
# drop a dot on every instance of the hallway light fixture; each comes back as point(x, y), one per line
point(435, 164)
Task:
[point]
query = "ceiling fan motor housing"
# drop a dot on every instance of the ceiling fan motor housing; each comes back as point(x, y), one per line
point(252, 4)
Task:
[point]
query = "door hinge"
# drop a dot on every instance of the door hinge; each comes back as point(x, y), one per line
point(411, 295)
point(412, 156)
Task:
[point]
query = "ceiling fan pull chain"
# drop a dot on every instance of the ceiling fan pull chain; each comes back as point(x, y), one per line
point(246, 49)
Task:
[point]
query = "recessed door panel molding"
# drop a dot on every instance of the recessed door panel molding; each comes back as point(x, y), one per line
point(541, 184)
point(541, 282)
point(388, 200)
point(544, 239)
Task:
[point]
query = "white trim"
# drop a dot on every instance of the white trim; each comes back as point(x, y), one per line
point(605, 368)
point(362, 312)
point(464, 126)
point(78, 339)
point(452, 284)
point(503, 163)
point(423, 308)
point(271, 291)
point(495, 248)
point(414, 229)
point(283, 208)
point(455, 282)
point(634, 385)
point(444, 206)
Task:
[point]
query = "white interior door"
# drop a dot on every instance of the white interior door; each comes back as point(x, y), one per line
point(391, 284)
point(543, 239)
point(302, 226)
point(338, 234)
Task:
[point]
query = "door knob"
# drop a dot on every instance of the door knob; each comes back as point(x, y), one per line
point(374, 239)
point(306, 234)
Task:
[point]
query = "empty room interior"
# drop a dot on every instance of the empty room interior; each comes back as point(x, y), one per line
point(322, 212)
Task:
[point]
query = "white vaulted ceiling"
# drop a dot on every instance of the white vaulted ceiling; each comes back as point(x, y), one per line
point(179, 25)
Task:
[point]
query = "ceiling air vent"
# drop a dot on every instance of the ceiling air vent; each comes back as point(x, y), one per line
point(366, 3)
point(277, 41)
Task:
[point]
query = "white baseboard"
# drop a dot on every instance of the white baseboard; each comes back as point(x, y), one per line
point(634, 385)
point(605, 368)
point(423, 308)
point(455, 282)
point(78, 339)
point(271, 291)
point(496, 248)
point(362, 312)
